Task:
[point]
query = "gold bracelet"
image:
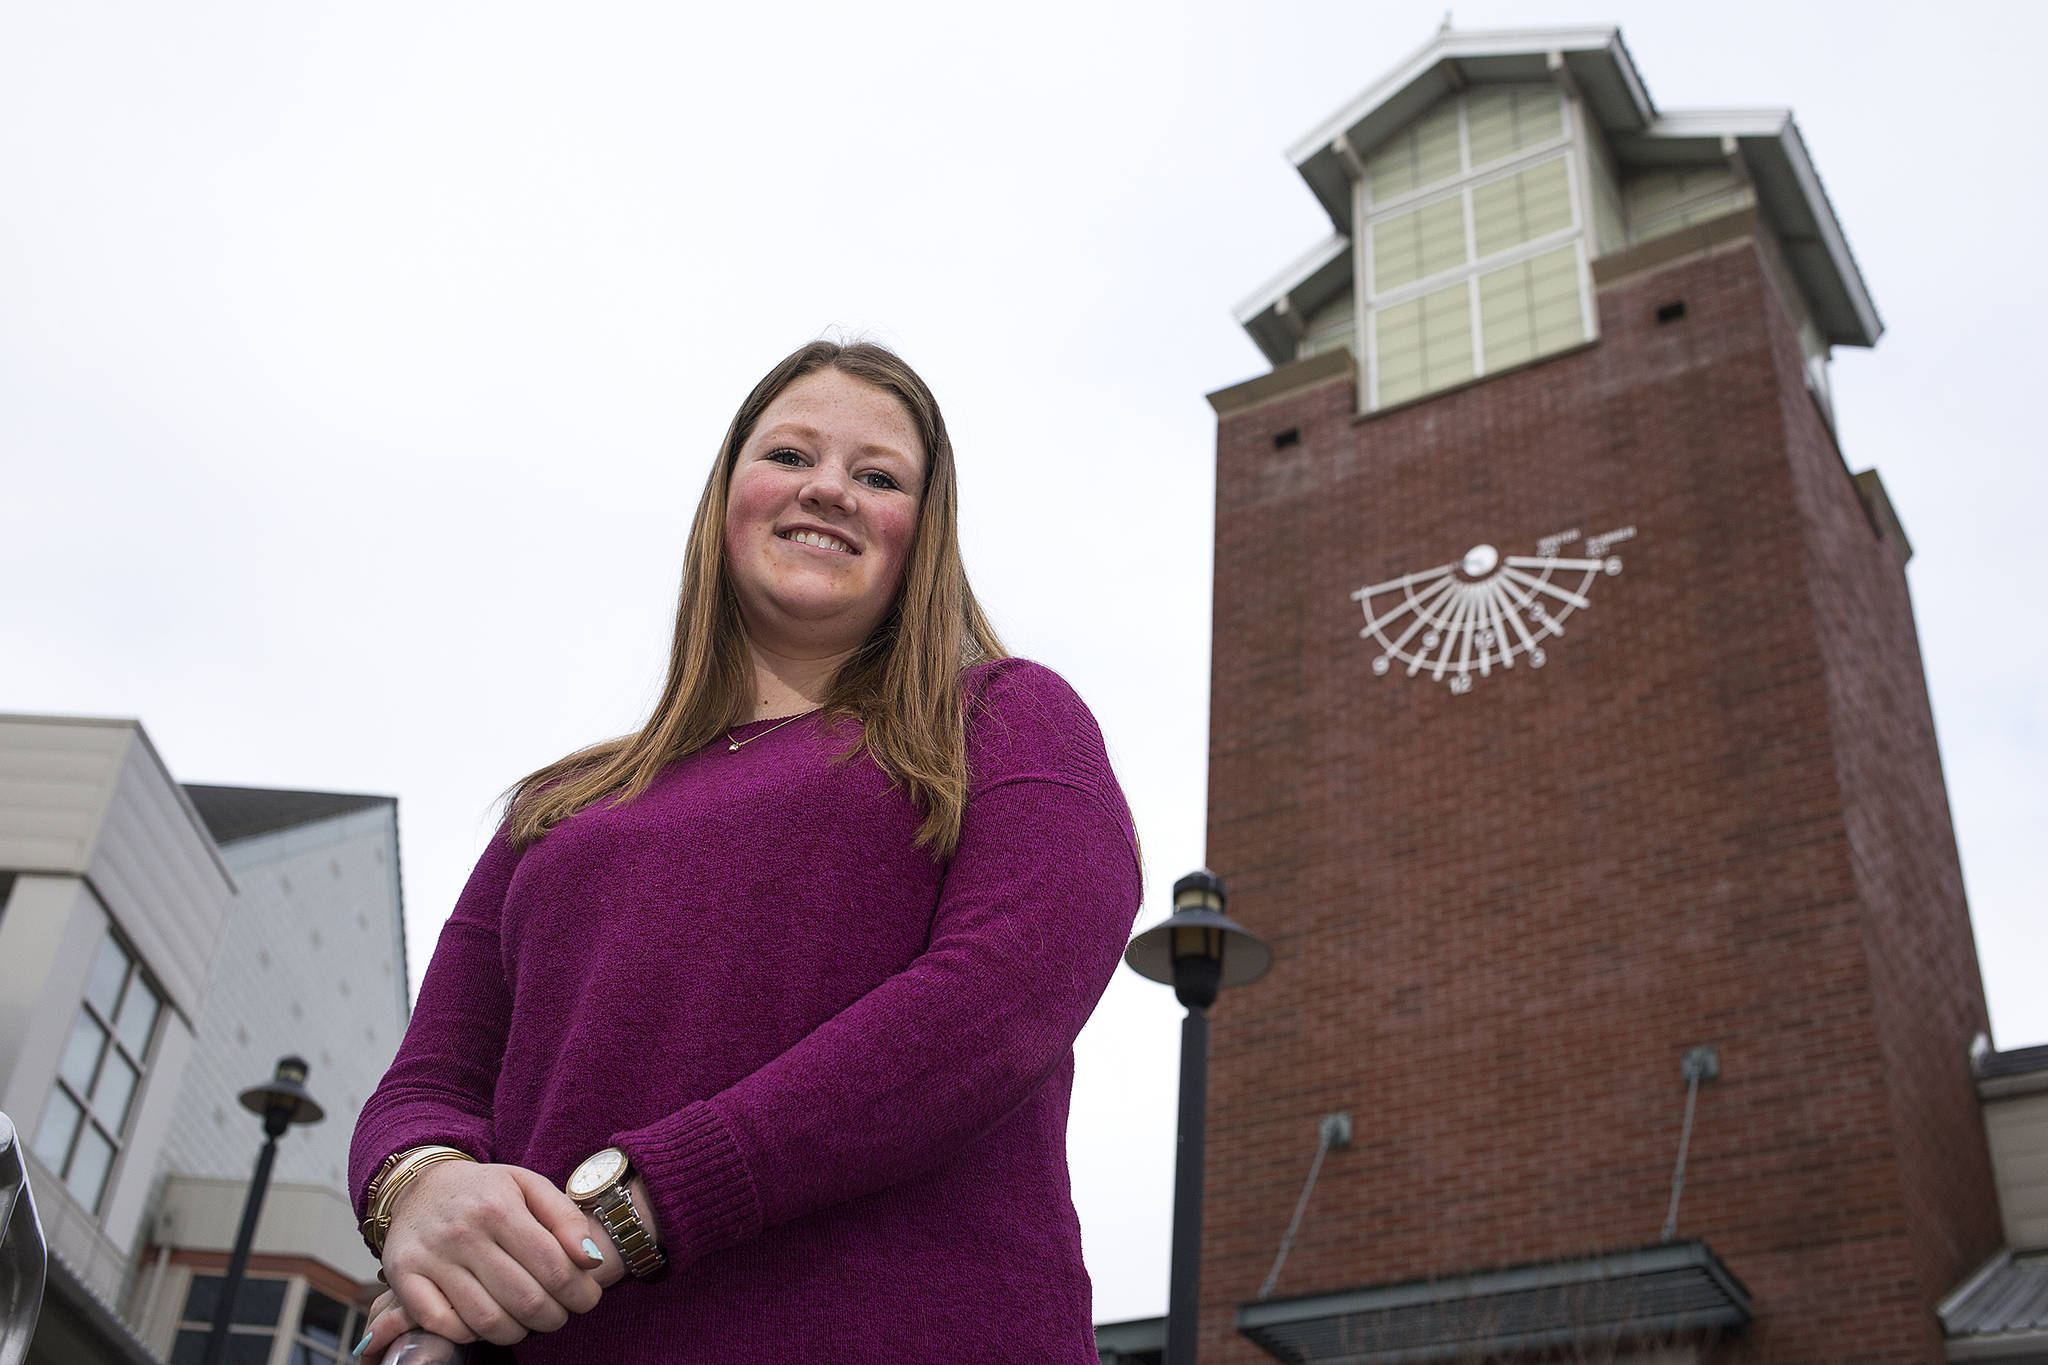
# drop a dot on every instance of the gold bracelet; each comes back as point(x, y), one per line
point(393, 1176)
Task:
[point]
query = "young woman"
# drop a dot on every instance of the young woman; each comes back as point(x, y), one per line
point(784, 986)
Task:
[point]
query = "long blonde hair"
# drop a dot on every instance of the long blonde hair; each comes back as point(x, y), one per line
point(902, 685)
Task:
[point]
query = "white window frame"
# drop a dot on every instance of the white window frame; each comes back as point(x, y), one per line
point(136, 973)
point(1569, 144)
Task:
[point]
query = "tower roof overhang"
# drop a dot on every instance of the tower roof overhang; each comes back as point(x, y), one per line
point(1595, 65)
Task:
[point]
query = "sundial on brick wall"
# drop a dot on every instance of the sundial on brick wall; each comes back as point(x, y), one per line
point(1487, 610)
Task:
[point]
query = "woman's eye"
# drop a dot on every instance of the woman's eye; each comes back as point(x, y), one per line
point(875, 478)
point(786, 457)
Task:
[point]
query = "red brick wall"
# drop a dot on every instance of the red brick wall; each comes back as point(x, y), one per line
point(1927, 991)
point(1499, 918)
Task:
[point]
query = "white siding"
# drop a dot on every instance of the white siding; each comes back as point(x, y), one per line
point(91, 797)
point(48, 938)
point(2018, 1131)
point(310, 966)
point(1662, 201)
point(1333, 325)
point(56, 779)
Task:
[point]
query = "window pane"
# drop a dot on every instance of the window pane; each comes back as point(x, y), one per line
point(1504, 119)
point(258, 1302)
point(1423, 153)
point(1521, 207)
point(89, 1166)
point(138, 1017)
point(59, 1126)
point(248, 1348)
point(108, 972)
point(202, 1298)
point(1531, 309)
point(82, 1052)
point(189, 1349)
point(1414, 246)
point(323, 1318)
point(302, 1354)
point(1424, 344)
point(117, 1088)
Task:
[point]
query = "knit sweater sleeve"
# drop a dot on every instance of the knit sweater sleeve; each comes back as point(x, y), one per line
point(1036, 907)
point(439, 1086)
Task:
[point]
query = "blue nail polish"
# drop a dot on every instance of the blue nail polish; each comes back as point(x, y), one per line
point(361, 1346)
point(590, 1250)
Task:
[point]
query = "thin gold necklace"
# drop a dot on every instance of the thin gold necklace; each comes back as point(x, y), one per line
point(734, 745)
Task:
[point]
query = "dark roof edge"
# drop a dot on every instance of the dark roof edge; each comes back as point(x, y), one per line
point(235, 813)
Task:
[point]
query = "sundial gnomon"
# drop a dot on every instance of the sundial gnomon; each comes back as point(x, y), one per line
point(1486, 610)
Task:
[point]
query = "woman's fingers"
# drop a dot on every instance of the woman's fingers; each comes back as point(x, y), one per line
point(420, 1304)
point(479, 1219)
point(388, 1322)
point(485, 1315)
point(566, 1257)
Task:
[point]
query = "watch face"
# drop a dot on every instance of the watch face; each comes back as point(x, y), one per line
point(597, 1172)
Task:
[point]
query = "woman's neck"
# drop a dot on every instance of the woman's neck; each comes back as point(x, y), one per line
point(785, 685)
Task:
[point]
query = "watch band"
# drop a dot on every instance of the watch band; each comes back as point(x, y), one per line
point(621, 1218)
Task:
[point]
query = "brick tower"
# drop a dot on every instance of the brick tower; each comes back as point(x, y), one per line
point(1568, 716)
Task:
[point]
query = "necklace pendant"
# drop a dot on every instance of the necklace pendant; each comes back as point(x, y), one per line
point(733, 747)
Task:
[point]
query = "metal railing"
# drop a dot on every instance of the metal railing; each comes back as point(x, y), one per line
point(23, 1261)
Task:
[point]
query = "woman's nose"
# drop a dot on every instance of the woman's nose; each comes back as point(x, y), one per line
point(828, 486)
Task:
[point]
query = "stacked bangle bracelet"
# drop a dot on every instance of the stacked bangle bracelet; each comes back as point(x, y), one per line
point(398, 1171)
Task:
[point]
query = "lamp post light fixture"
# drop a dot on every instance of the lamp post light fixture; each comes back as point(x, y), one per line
point(1198, 951)
point(282, 1102)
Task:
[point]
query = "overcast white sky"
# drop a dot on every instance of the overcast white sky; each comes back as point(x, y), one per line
point(360, 365)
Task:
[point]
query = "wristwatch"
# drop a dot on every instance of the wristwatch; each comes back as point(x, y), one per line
point(599, 1188)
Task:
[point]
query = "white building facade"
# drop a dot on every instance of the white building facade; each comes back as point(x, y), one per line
point(160, 948)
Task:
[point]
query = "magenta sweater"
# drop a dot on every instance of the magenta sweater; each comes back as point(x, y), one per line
point(842, 1068)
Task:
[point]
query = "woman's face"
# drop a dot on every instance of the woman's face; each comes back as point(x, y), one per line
point(821, 513)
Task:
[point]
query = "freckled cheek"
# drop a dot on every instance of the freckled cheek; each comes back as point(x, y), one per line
point(902, 536)
point(749, 513)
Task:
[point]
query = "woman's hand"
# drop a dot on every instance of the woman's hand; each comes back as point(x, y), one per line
point(487, 1251)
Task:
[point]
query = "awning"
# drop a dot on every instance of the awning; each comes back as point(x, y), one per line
point(1659, 1292)
point(2001, 1312)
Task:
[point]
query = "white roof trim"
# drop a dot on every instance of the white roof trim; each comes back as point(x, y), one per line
point(1597, 64)
point(1501, 42)
point(1290, 279)
point(1719, 123)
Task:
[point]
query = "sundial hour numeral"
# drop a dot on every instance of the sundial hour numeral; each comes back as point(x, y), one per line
point(1461, 683)
point(1379, 666)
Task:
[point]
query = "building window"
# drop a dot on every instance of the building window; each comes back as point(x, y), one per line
point(101, 1071)
point(252, 1329)
point(1472, 256)
point(326, 1326)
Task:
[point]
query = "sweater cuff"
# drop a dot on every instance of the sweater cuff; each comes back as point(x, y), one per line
point(703, 1194)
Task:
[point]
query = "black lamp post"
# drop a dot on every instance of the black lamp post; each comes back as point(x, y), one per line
point(1197, 952)
point(282, 1103)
